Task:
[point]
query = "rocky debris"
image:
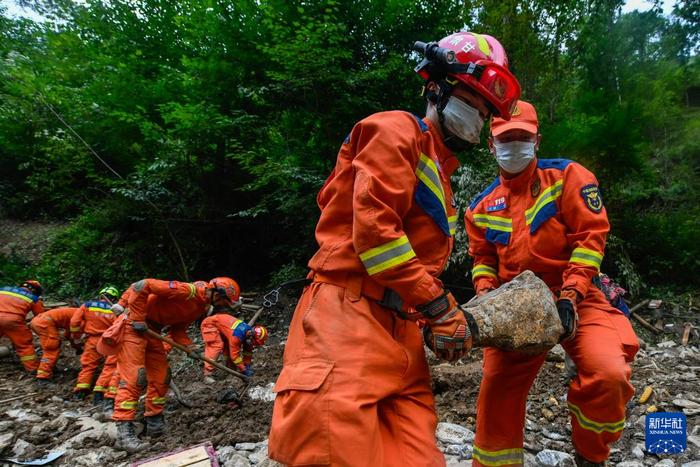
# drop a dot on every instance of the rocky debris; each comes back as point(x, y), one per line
point(102, 456)
point(230, 458)
point(630, 464)
point(520, 315)
point(451, 433)
point(21, 448)
point(6, 440)
point(556, 354)
point(262, 393)
point(550, 458)
point(23, 416)
point(665, 463)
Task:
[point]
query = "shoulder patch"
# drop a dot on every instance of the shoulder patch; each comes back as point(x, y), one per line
point(421, 123)
point(485, 193)
point(560, 164)
point(591, 198)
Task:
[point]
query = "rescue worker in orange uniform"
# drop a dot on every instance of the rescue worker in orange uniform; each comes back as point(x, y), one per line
point(48, 327)
point(223, 333)
point(15, 303)
point(142, 360)
point(355, 387)
point(92, 319)
point(547, 215)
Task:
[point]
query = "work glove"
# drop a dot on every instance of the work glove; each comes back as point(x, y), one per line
point(248, 371)
point(117, 309)
point(447, 333)
point(568, 317)
point(139, 326)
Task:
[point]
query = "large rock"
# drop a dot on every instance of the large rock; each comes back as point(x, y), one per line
point(550, 458)
point(6, 440)
point(21, 448)
point(450, 433)
point(22, 415)
point(520, 315)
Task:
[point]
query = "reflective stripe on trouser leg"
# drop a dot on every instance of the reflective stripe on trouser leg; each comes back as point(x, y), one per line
point(375, 409)
point(130, 358)
point(157, 372)
point(14, 327)
point(598, 395)
point(507, 378)
point(108, 370)
point(89, 361)
point(50, 351)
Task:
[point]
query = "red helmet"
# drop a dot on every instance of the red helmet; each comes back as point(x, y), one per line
point(34, 286)
point(480, 62)
point(260, 335)
point(226, 287)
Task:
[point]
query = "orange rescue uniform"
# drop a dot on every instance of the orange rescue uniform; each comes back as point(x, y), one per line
point(352, 365)
point(47, 326)
point(142, 360)
point(550, 219)
point(219, 334)
point(92, 319)
point(15, 304)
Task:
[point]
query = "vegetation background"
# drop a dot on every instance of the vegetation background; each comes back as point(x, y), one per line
point(219, 121)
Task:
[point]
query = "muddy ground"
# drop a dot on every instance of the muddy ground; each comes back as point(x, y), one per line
point(49, 420)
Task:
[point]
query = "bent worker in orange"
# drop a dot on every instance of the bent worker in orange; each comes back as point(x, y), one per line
point(224, 333)
point(15, 304)
point(48, 327)
point(92, 319)
point(142, 360)
point(355, 387)
point(547, 215)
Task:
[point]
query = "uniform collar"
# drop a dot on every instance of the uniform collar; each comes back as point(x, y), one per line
point(447, 158)
point(521, 180)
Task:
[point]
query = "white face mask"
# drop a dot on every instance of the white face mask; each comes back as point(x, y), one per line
point(462, 120)
point(514, 156)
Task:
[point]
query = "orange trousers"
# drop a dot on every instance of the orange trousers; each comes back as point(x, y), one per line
point(355, 387)
point(13, 326)
point(604, 344)
point(90, 360)
point(50, 341)
point(142, 363)
point(113, 381)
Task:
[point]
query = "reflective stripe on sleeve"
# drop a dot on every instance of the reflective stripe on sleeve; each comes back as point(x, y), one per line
point(483, 270)
point(586, 257)
point(16, 295)
point(489, 221)
point(388, 255)
point(452, 221)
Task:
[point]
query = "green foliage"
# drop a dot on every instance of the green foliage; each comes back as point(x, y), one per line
point(224, 118)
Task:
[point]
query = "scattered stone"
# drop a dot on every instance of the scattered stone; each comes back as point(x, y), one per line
point(691, 464)
point(552, 435)
point(638, 451)
point(548, 414)
point(262, 393)
point(666, 344)
point(451, 433)
point(6, 425)
point(550, 458)
point(694, 440)
point(21, 448)
point(556, 354)
point(630, 464)
point(36, 430)
point(236, 460)
point(224, 453)
point(258, 456)
point(104, 456)
point(56, 399)
point(456, 462)
point(665, 463)
point(245, 446)
point(22, 415)
point(269, 463)
point(6, 440)
point(530, 425)
point(689, 376)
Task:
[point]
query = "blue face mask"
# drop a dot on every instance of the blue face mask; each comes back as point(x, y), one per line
point(514, 156)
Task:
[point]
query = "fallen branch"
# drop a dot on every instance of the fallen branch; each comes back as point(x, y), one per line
point(645, 323)
point(18, 397)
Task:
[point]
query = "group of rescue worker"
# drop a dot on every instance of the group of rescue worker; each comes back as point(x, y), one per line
point(132, 359)
point(355, 386)
point(354, 360)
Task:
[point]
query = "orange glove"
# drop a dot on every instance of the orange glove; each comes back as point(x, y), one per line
point(447, 333)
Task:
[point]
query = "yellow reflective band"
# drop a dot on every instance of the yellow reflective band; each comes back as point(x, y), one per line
point(99, 389)
point(83, 385)
point(128, 405)
point(427, 172)
point(100, 310)
point(548, 195)
point(236, 323)
point(158, 400)
point(586, 257)
point(388, 255)
point(16, 295)
point(238, 360)
point(588, 424)
point(72, 329)
point(112, 389)
point(502, 457)
point(193, 291)
point(483, 44)
point(27, 358)
point(42, 372)
point(502, 224)
point(483, 270)
point(452, 222)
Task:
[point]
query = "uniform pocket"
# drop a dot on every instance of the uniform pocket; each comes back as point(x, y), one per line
point(300, 432)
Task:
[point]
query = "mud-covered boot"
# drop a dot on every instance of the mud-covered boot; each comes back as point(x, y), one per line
point(126, 438)
point(155, 425)
point(108, 408)
point(79, 395)
point(583, 462)
point(97, 398)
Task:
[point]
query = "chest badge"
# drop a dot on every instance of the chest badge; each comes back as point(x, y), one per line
point(535, 188)
point(497, 204)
